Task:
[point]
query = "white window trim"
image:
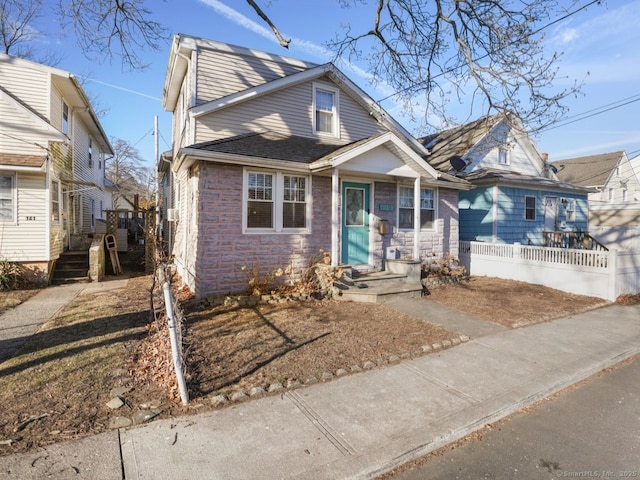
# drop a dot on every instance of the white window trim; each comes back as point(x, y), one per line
point(59, 202)
point(67, 128)
point(404, 185)
point(336, 111)
point(14, 199)
point(435, 210)
point(535, 209)
point(507, 156)
point(278, 202)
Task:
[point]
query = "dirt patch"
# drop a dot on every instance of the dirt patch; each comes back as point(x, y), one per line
point(511, 303)
point(14, 298)
point(248, 347)
point(58, 385)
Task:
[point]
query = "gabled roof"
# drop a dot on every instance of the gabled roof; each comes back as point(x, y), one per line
point(73, 93)
point(183, 44)
point(309, 154)
point(589, 171)
point(456, 142)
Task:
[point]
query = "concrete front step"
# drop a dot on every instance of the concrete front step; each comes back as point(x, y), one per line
point(381, 293)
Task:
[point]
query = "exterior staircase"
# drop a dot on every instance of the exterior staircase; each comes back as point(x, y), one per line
point(72, 267)
point(401, 279)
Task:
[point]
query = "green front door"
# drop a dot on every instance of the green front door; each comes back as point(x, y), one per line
point(355, 223)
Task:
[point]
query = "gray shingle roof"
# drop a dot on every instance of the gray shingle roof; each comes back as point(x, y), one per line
point(272, 145)
point(456, 141)
point(589, 171)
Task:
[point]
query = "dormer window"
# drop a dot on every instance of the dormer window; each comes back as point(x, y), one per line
point(325, 110)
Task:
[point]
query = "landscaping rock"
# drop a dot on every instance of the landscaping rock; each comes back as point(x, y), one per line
point(356, 368)
point(464, 338)
point(311, 379)
point(426, 348)
point(119, 422)
point(293, 382)
point(326, 376)
point(115, 403)
point(143, 416)
point(237, 396)
point(151, 405)
point(340, 372)
point(274, 387)
point(119, 391)
point(369, 365)
point(394, 358)
point(255, 391)
point(219, 400)
point(436, 346)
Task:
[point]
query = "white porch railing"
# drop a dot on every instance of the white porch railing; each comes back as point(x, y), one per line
point(584, 272)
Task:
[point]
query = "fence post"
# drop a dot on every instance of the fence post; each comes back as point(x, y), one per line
point(612, 269)
point(516, 260)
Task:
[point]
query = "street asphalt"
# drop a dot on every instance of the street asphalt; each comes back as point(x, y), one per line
point(361, 425)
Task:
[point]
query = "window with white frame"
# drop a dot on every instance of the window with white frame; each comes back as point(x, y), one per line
point(276, 201)
point(571, 209)
point(530, 208)
point(93, 213)
point(405, 207)
point(427, 208)
point(610, 194)
point(55, 201)
point(624, 194)
point(503, 156)
point(65, 117)
point(90, 153)
point(7, 198)
point(325, 110)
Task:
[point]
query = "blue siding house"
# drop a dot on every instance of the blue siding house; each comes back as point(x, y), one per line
point(517, 196)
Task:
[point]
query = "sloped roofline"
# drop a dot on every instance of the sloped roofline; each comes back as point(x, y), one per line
point(71, 78)
point(184, 44)
point(9, 98)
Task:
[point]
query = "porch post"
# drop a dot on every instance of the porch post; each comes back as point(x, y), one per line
point(416, 219)
point(335, 217)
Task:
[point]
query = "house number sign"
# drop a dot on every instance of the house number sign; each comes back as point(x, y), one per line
point(31, 218)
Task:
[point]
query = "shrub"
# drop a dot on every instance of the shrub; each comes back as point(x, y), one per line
point(446, 266)
point(12, 275)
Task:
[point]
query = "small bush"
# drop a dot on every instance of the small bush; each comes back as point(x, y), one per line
point(12, 275)
point(446, 266)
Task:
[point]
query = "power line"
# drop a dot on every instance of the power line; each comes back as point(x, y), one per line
point(597, 111)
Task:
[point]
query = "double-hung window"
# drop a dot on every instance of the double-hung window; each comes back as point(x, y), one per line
point(7, 198)
point(325, 110)
point(427, 208)
point(406, 210)
point(55, 201)
point(276, 202)
point(405, 207)
point(529, 208)
point(90, 153)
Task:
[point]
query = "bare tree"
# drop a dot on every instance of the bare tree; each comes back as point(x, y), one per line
point(112, 28)
point(127, 171)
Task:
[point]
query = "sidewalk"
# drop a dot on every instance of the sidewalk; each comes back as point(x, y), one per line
point(360, 425)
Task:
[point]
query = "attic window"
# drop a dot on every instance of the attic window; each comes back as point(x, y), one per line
point(325, 110)
point(503, 157)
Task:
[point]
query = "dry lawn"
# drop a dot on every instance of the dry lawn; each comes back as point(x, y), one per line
point(58, 385)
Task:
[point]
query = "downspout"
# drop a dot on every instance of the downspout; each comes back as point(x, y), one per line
point(416, 219)
point(494, 227)
point(335, 217)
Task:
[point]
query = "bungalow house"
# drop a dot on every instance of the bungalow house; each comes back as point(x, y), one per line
point(517, 196)
point(614, 204)
point(52, 157)
point(275, 159)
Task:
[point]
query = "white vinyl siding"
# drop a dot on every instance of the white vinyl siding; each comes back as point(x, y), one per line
point(286, 111)
point(30, 85)
point(220, 74)
point(22, 135)
point(25, 238)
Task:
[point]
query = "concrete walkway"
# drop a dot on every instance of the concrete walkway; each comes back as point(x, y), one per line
point(360, 425)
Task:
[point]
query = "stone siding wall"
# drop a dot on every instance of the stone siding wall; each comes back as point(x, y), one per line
point(223, 249)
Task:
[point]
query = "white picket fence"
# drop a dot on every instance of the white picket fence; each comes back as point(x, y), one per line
point(584, 272)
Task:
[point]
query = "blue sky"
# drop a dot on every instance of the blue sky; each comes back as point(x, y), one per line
point(599, 45)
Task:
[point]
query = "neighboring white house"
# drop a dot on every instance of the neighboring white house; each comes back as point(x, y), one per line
point(614, 209)
point(52, 165)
